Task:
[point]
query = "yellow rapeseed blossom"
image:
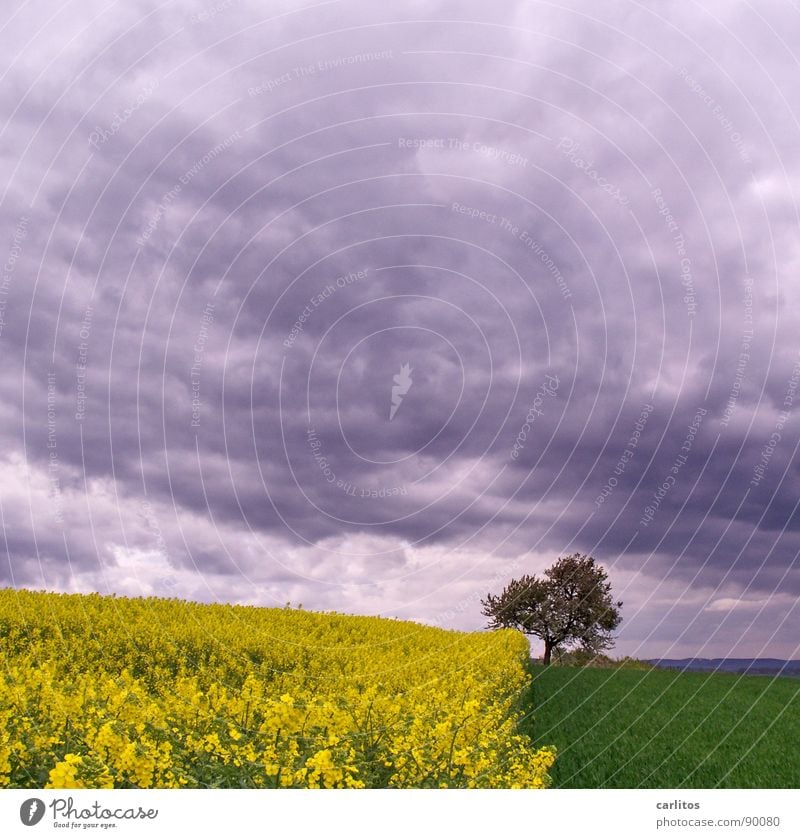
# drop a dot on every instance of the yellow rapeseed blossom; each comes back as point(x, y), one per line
point(108, 692)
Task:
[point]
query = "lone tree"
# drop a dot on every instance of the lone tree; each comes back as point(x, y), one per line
point(571, 605)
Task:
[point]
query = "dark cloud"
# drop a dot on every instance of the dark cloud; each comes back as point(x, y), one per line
point(373, 306)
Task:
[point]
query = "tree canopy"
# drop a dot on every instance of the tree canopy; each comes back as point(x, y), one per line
point(570, 606)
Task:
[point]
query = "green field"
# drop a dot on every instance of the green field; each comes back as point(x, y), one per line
point(618, 728)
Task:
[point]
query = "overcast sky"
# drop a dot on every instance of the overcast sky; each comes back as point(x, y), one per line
point(374, 306)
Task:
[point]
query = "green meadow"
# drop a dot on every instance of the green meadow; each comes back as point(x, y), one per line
point(623, 728)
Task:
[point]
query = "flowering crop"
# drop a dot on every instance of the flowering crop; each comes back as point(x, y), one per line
point(107, 692)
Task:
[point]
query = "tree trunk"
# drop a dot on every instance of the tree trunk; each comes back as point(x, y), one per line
point(548, 650)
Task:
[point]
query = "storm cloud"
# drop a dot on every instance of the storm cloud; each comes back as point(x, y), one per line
point(371, 307)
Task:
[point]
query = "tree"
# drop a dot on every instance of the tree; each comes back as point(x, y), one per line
point(571, 605)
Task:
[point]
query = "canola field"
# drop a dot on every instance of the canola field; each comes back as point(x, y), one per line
point(108, 692)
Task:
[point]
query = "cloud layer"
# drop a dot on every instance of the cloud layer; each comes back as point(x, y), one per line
point(564, 237)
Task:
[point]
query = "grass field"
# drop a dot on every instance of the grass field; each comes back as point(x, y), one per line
point(617, 728)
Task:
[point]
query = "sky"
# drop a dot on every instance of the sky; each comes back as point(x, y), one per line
point(371, 307)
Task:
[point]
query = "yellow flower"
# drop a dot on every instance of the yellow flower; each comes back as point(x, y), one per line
point(65, 774)
point(163, 693)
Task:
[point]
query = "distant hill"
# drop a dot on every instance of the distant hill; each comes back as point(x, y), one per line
point(739, 666)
